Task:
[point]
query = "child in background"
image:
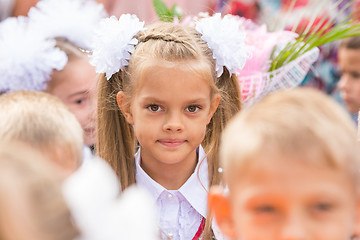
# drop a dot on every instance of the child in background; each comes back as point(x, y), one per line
point(43, 53)
point(291, 163)
point(173, 94)
point(31, 201)
point(72, 23)
point(75, 86)
point(35, 202)
point(42, 121)
point(349, 83)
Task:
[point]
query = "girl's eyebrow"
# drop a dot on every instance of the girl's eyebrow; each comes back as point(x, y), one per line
point(78, 93)
point(198, 100)
point(191, 101)
point(151, 99)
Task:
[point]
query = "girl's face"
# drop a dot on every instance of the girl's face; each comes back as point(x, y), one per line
point(75, 85)
point(279, 197)
point(170, 110)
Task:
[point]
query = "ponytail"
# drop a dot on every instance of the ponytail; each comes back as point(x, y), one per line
point(116, 140)
point(230, 104)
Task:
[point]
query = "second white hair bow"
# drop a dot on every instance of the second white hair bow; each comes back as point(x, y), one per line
point(225, 39)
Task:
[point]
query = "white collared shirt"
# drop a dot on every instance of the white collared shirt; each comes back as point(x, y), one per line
point(87, 156)
point(181, 211)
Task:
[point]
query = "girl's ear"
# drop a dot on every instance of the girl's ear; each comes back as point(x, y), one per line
point(219, 205)
point(124, 105)
point(214, 105)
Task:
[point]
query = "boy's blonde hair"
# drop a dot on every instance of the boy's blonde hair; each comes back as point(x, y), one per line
point(41, 121)
point(174, 45)
point(31, 201)
point(300, 122)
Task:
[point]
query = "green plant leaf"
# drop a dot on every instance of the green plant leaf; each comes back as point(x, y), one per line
point(162, 11)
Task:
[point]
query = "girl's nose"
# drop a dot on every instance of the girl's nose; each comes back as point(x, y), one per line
point(173, 122)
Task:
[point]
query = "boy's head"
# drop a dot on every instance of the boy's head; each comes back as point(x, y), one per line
point(291, 163)
point(349, 65)
point(31, 201)
point(43, 122)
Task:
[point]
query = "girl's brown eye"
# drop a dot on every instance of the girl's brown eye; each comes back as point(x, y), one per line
point(154, 108)
point(192, 108)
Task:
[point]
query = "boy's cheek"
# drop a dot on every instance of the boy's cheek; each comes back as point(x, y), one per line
point(249, 226)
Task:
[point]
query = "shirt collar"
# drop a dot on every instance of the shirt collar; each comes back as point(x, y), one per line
point(195, 189)
point(144, 180)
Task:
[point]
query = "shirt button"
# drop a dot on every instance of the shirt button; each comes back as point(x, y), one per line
point(169, 196)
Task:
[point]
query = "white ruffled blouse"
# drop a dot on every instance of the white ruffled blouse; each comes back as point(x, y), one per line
point(180, 211)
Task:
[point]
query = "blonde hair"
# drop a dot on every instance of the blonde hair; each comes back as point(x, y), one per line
point(171, 44)
point(300, 122)
point(42, 121)
point(30, 186)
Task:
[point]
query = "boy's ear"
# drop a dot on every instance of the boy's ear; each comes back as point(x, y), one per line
point(124, 105)
point(214, 105)
point(220, 207)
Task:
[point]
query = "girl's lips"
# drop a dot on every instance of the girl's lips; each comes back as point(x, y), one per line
point(171, 143)
point(89, 131)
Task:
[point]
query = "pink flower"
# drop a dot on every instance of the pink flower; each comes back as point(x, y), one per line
point(261, 43)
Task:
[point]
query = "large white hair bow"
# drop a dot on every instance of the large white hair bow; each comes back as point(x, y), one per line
point(114, 41)
point(74, 20)
point(27, 59)
point(225, 39)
